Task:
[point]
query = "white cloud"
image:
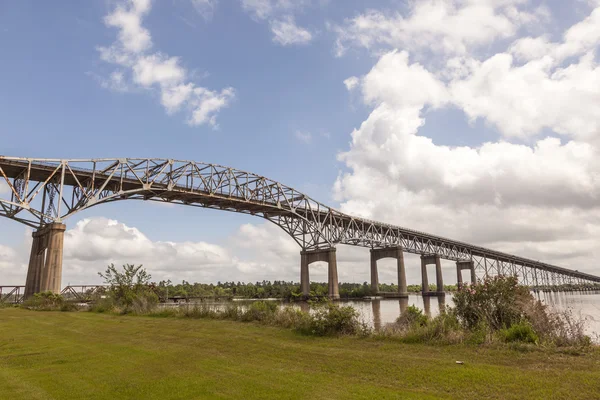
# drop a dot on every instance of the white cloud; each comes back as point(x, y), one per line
point(286, 32)
point(279, 14)
point(351, 83)
point(305, 137)
point(538, 198)
point(446, 26)
point(138, 67)
point(206, 8)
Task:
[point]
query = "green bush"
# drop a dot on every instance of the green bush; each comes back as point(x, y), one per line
point(519, 332)
point(260, 311)
point(331, 320)
point(48, 301)
point(103, 305)
point(496, 302)
point(413, 316)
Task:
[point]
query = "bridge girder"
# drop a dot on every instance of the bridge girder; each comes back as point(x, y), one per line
point(43, 191)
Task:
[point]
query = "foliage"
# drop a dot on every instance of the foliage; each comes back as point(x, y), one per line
point(519, 332)
point(496, 301)
point(48, 301)
point(500, 305)
point(413, 316)
point(130, 286)
point(331, 320)
point(271, 290)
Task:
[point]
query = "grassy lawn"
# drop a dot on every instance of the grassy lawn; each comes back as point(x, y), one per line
point(53, 355)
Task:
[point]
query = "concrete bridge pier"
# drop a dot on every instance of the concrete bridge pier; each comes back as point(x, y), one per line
point(308, 257)
point(45, 261)
point(425, 261)
point(389, 252)
point(460, 266)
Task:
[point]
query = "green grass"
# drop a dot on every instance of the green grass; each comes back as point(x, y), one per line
point(80, 355)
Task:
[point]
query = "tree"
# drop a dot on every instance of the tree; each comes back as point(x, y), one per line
point(126, 285)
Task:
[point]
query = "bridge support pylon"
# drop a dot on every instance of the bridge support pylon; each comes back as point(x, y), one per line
point(45, 262)
point(389, 252)
point(460, 266)
point(308, 257)
point(425, 261)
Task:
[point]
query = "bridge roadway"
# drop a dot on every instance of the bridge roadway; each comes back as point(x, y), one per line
point(43, 193)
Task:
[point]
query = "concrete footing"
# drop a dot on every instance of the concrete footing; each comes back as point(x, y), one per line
point(425, 261)
point(308, 257)
point(45, 262)
point(389, 252)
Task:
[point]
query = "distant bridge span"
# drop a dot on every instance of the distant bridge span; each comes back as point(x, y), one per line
point(43, 193)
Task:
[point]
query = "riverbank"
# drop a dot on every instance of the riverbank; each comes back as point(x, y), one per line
point(81, 355)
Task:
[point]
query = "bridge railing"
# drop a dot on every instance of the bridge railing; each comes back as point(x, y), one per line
point(12, 294)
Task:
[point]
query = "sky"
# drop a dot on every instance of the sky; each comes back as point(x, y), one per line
point(477, 120)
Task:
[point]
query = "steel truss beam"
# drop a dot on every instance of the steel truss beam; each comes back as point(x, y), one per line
point(41, 191)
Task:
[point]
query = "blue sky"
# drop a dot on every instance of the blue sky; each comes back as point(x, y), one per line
point(454, 106)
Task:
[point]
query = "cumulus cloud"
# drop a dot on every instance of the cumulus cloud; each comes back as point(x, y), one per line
point(141, 68)
point(286, 32)
point(538, 198)
point(351, 82)
point(446, 26)
point(280, 16)
point(206, 8)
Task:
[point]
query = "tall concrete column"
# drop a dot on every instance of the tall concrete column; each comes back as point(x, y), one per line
point(438, 274)
point(36, 258)
point(334, 292)
point(402, 285)
point(459, 279)
point(374, 274)
point(304, 275)
point(473, 276)
point(424, 280)
point(45, 262)
point(308, 257)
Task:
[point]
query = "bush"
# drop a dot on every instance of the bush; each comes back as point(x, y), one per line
point(331, 320)
point(106, 304)
point(519, 332)
point(497, 302)
point(500, 305)
point(199, 311)
point(413, 316)
point(260, 311)
point(48, 301)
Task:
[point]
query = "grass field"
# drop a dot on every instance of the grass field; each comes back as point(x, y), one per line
point(80, 355)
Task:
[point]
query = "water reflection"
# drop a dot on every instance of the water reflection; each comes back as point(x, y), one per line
point(427, 305)
point(403, 305)
point(376, 306)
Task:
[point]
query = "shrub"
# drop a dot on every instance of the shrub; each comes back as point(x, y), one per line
point(413, 316)
point(106, 304)
point(199, 311)
point(260, 311)
point(331, 320)
point(496, 301)
point(47, 301)
point(519, 332)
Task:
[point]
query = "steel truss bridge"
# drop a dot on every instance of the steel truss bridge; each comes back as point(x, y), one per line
point(41, 192)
